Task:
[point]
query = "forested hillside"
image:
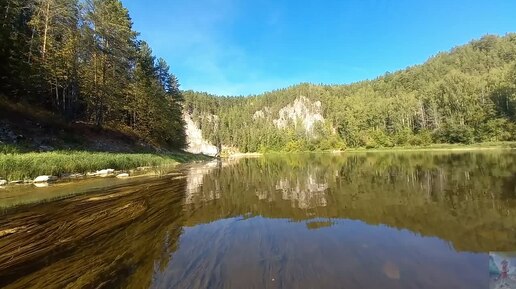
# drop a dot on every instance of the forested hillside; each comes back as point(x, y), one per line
point(463, 96)
point(82, 60)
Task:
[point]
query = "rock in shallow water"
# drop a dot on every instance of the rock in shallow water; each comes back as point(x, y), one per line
point(3, 182)
point(44, 179)
point(104, 172)
point(122, 175)
point(391, 270)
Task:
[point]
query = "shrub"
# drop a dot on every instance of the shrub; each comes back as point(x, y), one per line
point(451, 133)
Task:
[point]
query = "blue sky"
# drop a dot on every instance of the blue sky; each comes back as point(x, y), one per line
point(240, 47)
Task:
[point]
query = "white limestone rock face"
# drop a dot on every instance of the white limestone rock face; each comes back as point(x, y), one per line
point(196, 143)
point(262, 113)
point(301, 111)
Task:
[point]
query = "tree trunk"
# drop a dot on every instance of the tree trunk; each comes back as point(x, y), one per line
point(6, 13)
point(45, 30)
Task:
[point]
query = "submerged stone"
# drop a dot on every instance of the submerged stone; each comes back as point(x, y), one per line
point(391, 270)
point(41, 185)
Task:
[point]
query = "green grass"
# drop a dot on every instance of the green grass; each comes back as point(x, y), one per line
point(431, 147)
point(436, 147)
point(21, 166)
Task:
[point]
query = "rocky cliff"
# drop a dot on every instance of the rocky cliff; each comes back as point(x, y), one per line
point(301, 112)
point(196, 143)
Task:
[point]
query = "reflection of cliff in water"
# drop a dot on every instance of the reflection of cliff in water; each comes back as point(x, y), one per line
point(198, 174)
point(465, 198)
point(194, 182)
point(303, 194)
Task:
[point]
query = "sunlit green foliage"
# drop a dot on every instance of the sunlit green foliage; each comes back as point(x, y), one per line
point(467, 95)
point(82, 60)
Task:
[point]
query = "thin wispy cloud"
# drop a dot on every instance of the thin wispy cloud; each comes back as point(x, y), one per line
point(243, 47)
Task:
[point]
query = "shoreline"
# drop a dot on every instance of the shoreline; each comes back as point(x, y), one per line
point(429, 148)
point(62, 166)
point(14, 195)
point(149, 164)
point(446, 147)
point(17, 195)
point(242, 155)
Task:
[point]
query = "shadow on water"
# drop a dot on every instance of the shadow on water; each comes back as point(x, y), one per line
point(384, 220)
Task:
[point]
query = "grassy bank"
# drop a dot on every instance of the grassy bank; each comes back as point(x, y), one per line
point(21, 166)
point(432, 147)
point(438, 147)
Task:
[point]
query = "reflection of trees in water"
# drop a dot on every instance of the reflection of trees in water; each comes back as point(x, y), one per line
point(437, 177)
point(466, 198)
point(460, 197)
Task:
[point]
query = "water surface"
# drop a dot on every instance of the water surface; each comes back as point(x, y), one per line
point(377, 220)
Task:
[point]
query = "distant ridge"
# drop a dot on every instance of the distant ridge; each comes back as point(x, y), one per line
point(466, 95)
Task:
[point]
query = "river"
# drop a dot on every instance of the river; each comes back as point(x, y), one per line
point(357, 220)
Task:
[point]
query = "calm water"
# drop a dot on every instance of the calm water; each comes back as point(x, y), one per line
point(378, 220)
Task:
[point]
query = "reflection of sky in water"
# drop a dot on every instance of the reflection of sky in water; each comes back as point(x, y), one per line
point(299, 230)
point(251, 253)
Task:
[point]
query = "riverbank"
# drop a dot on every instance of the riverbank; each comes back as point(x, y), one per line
point(440, 147)
point(432, 147)
point(25, 167)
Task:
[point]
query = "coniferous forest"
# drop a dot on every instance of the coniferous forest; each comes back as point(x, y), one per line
point(467, 95)
point(83, 61)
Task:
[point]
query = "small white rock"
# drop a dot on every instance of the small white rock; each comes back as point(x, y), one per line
point(105, 172)
point(122, 175)
point(44, 179)
point(101, 173)
point(3, 182)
